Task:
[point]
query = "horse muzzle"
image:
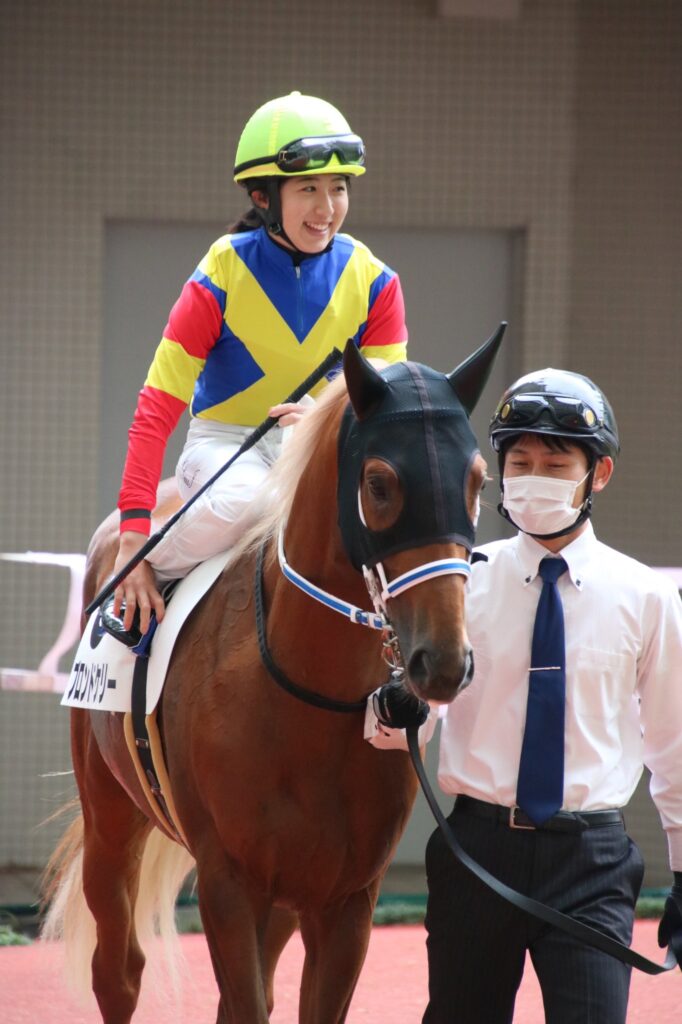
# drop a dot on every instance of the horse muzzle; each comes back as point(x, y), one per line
point(439, 675)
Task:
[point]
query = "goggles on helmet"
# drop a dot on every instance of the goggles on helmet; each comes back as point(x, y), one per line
point(309, 154)
point(569, 413)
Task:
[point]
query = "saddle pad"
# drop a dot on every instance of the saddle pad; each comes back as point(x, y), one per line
point(102, 674)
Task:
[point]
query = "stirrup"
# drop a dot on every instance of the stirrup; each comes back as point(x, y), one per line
point(113, 624)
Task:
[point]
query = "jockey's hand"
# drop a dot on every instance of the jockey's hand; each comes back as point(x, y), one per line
point(138, 589)
point(289, 413)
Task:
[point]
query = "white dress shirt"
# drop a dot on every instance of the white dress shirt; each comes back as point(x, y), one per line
point(623, 625)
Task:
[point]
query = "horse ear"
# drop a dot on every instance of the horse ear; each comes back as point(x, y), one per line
point(366, 387)
point(468, 379)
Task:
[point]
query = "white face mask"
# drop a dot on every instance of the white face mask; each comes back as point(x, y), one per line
point(541, 504)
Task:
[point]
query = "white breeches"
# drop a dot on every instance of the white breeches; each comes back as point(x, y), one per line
point(219, 517)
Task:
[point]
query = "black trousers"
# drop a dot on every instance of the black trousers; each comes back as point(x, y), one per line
point(477, 943)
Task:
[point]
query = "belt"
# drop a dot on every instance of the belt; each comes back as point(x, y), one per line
point(562, 821)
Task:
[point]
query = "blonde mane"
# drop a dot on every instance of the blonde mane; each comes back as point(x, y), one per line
point(272, 502)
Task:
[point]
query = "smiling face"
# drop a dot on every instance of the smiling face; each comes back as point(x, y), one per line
point(313, 209)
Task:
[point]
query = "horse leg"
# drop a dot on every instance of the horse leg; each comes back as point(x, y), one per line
point(234, 918)
point(281, 924)
point(280, 927)
point(336, 940)
point(115, 832)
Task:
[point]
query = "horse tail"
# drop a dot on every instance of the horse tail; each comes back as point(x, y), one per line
point(165, 865)
point(68, 917)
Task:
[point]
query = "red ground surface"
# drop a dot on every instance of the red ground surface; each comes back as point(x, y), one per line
point(392, 988)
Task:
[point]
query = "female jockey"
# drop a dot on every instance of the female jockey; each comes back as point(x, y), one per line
point(264, 307)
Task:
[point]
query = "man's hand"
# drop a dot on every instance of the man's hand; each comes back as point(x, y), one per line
point(670, 927)
point(397, 708)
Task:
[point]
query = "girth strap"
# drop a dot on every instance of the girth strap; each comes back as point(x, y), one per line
point(143, 746)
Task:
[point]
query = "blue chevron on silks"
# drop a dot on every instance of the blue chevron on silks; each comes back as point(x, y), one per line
point(540, 786)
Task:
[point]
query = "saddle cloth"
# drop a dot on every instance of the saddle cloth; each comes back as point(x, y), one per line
point(102, 675)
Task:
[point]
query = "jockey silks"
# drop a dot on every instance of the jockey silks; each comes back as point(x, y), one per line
point(250, 324)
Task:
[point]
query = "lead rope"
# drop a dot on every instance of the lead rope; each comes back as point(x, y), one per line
point(583, 932)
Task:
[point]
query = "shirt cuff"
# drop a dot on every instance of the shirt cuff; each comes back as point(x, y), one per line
point(137, 519)
point(383, 738)
point(675, 848)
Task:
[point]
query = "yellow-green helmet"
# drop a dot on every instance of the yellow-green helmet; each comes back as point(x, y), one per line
point(297, 135)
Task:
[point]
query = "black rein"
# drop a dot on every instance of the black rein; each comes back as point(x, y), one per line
point(583, 932)
point(317, 700)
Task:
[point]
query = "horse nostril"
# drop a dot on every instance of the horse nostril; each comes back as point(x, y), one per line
point(419, 666)
point(468, 670)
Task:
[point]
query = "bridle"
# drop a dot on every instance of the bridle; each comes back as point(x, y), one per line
point(379, 588)
point(380, 591)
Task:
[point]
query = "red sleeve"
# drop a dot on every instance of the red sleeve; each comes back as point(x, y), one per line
point(196, 319)
point(386, 318)
point(194, 323)
point(156, 417)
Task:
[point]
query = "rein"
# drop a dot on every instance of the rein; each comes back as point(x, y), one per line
point(576, 929)
point(318, 700)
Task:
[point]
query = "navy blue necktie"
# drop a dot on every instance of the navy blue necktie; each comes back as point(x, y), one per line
point(540, 788)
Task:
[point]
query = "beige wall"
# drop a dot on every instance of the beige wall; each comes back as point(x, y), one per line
point(626, 257)
point(563, 123)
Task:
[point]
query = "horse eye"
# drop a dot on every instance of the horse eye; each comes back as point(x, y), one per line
point(377, 488)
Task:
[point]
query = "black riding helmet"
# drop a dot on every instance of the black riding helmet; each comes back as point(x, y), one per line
point(561, 404)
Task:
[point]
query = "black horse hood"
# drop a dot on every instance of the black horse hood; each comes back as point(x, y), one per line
point(417, 420)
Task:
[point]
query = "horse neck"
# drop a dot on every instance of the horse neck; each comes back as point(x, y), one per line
point(340, 656)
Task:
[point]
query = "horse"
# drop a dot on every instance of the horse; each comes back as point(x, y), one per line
point(290, 816)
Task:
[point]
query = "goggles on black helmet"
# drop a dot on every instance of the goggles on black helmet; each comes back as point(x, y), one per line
point(565, 412)
point(313, 153)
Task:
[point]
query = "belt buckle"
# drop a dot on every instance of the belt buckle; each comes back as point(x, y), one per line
point(513, 823)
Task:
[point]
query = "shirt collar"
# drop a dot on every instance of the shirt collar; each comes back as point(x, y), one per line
point(578, 556)
point(286, 258)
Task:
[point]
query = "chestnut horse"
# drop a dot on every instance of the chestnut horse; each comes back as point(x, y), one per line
point(289, 813)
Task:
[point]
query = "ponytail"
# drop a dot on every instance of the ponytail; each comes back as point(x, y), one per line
point(249, 221)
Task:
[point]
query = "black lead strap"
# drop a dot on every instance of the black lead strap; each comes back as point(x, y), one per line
point(256, 434)
point(583, 932)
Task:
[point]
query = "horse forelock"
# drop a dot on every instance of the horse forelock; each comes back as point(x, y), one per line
point(271, 505)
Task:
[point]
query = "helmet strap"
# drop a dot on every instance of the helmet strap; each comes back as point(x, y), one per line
point(271, 215)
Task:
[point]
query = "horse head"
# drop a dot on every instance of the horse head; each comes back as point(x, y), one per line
point(409, 478)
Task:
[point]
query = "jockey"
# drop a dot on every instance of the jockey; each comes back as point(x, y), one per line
point(265, 305)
